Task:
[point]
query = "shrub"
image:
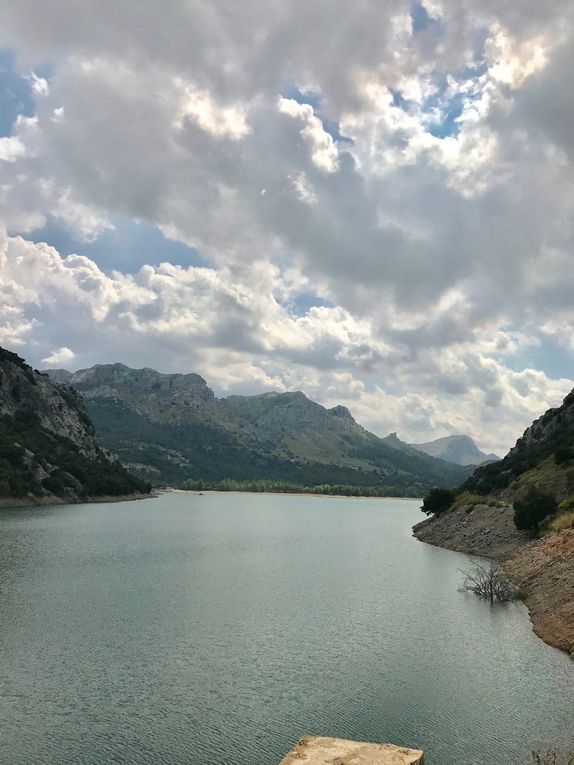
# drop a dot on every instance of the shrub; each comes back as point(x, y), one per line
point(567, 504)
point(533, 509)
point(437, 501)
point(489, 582)
point(563, 454)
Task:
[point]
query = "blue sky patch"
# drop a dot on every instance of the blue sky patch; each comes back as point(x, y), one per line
point(420, 18)
point(127, 247)
point(306, 300)
point(549, 356)
point(16, 96)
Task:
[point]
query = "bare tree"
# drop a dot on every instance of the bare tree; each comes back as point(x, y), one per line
point(489, 582)
point(550, 757)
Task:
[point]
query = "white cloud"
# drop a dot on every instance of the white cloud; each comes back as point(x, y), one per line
point(232, 329)
point(324, 151)
point(219, 121)
point(59, 356)
point(11, 149)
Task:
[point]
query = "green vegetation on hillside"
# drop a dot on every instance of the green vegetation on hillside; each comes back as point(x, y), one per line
point(286, 487)
point(27, 449)
point(437, 501)
point(535, 475)
point(171, 453)
point(531, 510)
point(549, 441)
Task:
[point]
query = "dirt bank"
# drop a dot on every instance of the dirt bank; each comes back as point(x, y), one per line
point(543, 568)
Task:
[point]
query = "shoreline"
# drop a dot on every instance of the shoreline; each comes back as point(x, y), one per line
point(542, 568)
point(283, 494)
point(30, 503)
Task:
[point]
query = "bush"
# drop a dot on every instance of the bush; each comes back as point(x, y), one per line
point(489, 582)
point(563, 455)
point(567, 504)
point(533, 509)
point(437, 501)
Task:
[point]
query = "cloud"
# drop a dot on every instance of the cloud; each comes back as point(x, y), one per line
point(435, 239)
point(60, 356)
point(11, 148)
point(238, 329)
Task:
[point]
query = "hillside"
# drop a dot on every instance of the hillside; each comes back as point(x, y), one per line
point(171, 428)
point(481, 521)
point(461, 450)
point(47, 445)
point(544, 456)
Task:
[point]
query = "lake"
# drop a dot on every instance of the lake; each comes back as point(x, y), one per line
point(218, 629)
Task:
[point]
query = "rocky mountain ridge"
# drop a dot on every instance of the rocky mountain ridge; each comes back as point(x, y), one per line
point(171, 428)
point(47, 446)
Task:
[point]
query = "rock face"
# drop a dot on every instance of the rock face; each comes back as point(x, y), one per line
point(544, 572)
point(25, 393)
point(479, 529)
point(458, 449)
point(47, 444)
point(170, 428)
point(318, 750)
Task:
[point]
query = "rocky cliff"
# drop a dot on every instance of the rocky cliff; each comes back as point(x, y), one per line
point(47, 446)
point(171, 428)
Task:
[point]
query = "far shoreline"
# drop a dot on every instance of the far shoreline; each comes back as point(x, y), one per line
point(199, 492)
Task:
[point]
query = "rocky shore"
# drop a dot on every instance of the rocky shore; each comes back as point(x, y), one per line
point(543, 569)
point(31, 501)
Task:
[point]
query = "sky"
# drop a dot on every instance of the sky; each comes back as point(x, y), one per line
point(372, 202)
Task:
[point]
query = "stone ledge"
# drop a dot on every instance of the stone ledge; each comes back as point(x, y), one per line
point(319, 750)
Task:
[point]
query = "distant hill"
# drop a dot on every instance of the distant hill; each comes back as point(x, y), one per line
point(47, 444)
point(458, 449)
point(171, 428)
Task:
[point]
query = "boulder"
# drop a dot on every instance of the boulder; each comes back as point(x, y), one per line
point(319, 750)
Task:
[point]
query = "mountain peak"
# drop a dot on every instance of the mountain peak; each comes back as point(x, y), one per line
point(458, 448)
point(342, 411)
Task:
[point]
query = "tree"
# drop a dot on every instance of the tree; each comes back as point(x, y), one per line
point(530, 511)
point(489, 582)
point(437, 501)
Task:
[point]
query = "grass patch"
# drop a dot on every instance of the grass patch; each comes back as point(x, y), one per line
point(563, 521)
point(471, 500)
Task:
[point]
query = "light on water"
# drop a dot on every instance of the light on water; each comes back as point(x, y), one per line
point(220, 628)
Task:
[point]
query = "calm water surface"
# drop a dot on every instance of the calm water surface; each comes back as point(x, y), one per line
point(218, 629)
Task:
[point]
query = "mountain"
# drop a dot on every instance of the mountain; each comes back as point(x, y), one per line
point(458, 449)
point(171, 428)
point(395, 442)
point(481, 521)
point(47, 444)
